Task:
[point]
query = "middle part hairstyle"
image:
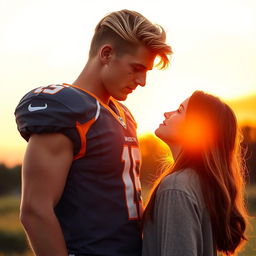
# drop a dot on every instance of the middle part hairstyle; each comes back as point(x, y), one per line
point(217, 159)
point(126, 30)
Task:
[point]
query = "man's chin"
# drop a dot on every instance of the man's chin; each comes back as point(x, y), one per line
point(121, 97)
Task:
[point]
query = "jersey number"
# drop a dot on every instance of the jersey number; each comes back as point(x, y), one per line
point(51, 89)
point(132, 158)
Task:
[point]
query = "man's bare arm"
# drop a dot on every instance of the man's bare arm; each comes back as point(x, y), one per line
point(45, 168)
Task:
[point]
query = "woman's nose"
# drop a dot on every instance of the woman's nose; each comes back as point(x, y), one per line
point(168, 114)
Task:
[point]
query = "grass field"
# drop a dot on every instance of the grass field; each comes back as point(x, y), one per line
point(13, 241)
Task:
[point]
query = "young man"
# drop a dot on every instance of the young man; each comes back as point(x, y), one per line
point(80, 176)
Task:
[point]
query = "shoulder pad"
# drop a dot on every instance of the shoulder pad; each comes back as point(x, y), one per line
point(53, 108)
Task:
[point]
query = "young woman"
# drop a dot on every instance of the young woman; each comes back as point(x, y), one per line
point(197, 207)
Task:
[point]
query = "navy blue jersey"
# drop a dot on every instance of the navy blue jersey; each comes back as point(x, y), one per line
point(100, 208)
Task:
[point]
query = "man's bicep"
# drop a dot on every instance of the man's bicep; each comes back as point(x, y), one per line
point(45, 168)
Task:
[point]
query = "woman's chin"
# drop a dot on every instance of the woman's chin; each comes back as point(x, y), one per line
point(157, 133)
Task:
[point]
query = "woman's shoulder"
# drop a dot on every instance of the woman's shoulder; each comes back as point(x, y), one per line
point(186, 181)
point(179, 179)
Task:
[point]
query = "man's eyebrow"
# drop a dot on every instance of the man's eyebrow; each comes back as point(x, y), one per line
point(141, 66)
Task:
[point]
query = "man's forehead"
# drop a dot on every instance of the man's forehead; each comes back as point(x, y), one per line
point(144, 57)
point(145, 66)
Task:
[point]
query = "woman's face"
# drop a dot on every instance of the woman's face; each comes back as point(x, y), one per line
point(170, 130)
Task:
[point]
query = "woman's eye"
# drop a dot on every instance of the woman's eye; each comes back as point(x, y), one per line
point(179, 110)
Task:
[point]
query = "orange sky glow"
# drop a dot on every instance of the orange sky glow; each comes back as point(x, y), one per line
point(46, 42)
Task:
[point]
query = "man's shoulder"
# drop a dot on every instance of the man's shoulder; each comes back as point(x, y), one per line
point(52, 108)
point(58, 92)
point(56, 98)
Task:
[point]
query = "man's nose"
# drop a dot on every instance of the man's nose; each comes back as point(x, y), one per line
point(141, 79)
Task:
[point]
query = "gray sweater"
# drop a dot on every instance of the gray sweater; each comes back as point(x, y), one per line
point(181, 225)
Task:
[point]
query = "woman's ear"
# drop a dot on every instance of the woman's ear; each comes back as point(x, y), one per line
point(105, 53)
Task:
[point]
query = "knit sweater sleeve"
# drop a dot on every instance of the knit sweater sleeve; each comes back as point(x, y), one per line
point(178, 224)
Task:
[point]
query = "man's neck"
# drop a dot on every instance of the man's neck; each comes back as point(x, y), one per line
point(90, 81)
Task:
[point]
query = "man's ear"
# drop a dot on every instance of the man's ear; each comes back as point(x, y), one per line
point(105, 53)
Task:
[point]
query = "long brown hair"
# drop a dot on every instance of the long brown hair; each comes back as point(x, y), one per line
point(218, 161)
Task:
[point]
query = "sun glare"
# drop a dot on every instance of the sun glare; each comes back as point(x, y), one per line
point(197, 133)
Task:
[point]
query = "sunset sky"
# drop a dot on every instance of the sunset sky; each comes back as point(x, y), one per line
point(46, 42)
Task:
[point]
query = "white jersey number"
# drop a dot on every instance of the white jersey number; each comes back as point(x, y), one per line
point(51, 89)
point(131, 160)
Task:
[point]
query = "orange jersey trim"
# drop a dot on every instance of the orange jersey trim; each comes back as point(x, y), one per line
point(117, 105)
point(82, 130)
point(119, 108)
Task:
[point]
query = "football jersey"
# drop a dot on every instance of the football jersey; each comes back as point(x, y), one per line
point(100, 208)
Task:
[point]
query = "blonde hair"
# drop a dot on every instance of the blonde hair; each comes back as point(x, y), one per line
point(127, 30)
